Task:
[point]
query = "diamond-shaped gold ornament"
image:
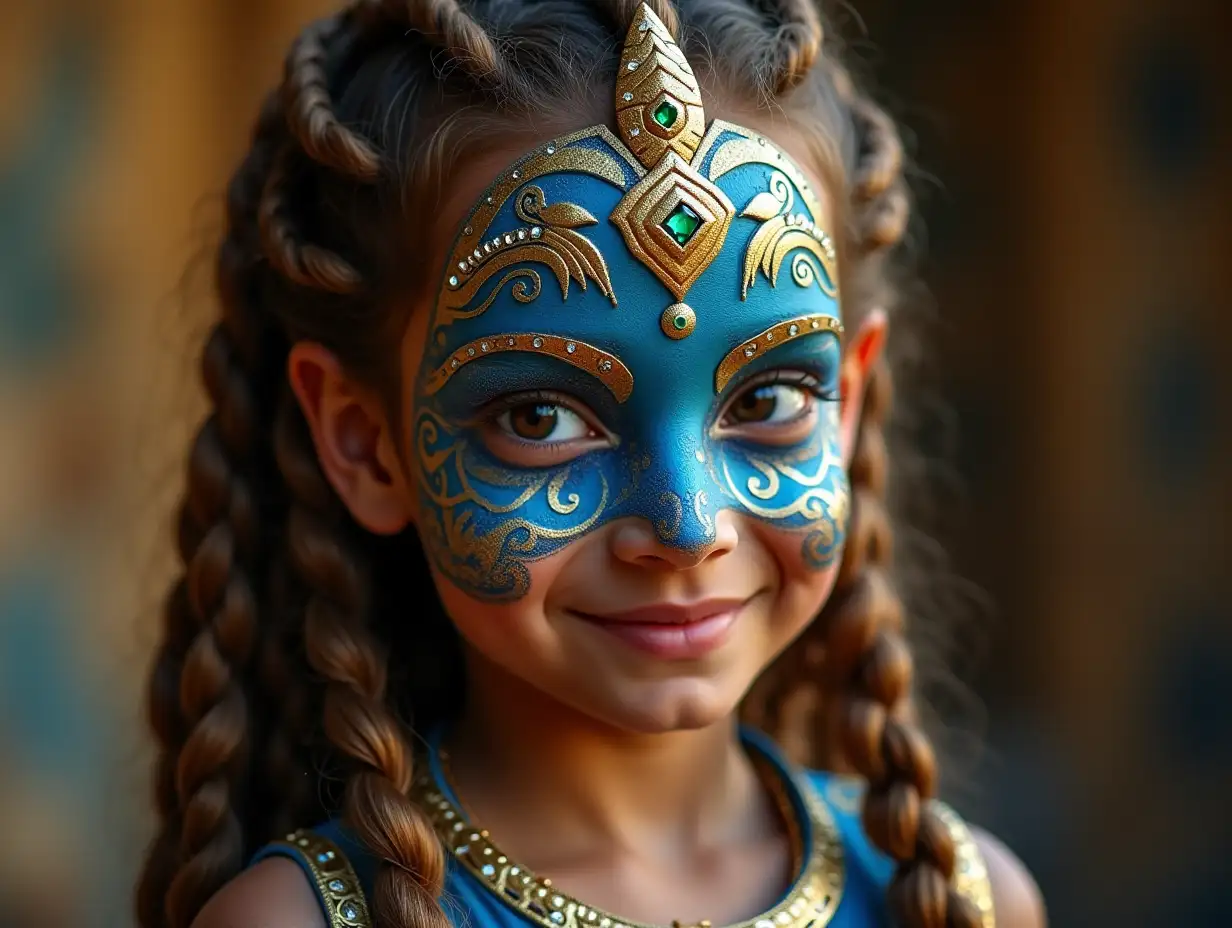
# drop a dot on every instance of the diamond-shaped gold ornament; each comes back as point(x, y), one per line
point(649, 217)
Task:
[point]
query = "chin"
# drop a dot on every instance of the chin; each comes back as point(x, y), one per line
point(675, 705)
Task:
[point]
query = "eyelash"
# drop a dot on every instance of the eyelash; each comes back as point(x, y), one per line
point(792, 378)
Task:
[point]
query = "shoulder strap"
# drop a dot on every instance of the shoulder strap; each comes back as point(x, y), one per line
point(337, 886)
point(845, 795)
point(970, 871)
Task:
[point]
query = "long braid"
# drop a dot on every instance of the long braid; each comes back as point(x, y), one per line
point(359, 721)
point(198, 695)
point(863, 621)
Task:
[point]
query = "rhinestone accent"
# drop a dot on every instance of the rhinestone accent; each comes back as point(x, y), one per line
point(633, 65)
point(628, 97)
point(551, 149)
point(453, 281)
point(794, 329)
point(571, 347)
point(489, 870)
point(349, 911)
point(325, 857)
point(536, 232)
point(337, 886)
point(538, 342)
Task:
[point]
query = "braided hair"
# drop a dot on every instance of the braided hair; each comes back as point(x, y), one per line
point(283, 630)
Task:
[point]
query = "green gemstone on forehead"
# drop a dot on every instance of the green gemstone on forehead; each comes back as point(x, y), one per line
point(665, 114)
point(680, 321)
point(682, 223)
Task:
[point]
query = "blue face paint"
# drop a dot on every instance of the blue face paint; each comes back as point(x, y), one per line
point(651, 291)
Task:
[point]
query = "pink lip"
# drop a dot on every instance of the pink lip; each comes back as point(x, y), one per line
point(671, 631)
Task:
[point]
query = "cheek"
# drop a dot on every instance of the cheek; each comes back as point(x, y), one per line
point(505, 632)
point(804, 583)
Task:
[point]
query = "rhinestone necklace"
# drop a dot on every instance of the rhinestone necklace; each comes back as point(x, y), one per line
point(809, 903)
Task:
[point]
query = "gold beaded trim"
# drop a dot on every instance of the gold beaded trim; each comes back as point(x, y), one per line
point(335, 880)
point(811, 902)
point(608, 368)
point(970, 872)
point(762, 342)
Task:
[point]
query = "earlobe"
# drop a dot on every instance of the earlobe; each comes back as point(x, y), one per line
point(354, 441)
point(863, 351)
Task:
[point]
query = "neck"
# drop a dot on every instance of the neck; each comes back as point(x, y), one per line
point(527, 765)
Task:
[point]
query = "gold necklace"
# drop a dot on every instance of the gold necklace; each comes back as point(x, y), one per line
point(812, 899)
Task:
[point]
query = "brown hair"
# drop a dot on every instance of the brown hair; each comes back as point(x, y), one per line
point(282, 628)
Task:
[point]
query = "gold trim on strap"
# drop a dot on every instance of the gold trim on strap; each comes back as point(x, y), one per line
point(335, 879)
point(970, 871)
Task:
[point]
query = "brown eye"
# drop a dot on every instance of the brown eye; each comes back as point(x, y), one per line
point(755, 405)
point(769, 404)
point(539, 422)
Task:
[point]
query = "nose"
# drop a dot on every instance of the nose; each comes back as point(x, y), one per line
point(684, 534)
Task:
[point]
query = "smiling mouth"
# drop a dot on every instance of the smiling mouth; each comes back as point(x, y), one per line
point(673, 631)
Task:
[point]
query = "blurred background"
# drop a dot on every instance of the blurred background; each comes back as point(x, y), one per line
point(1074, 163)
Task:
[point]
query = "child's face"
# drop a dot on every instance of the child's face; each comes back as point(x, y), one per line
point(633, 522)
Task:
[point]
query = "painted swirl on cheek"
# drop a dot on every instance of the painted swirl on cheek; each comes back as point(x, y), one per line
point(483, 520)
point(803, 487)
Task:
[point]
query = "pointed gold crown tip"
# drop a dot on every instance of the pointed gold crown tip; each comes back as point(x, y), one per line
point(658, 99)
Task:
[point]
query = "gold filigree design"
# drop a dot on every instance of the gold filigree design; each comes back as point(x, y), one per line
point(970, 871)
point(814, 503)
point(750, 148)
point(643, 210)
point(549, 238)
point(811, 901)
point(335, 879)
point(604, 366)
point(678, 321)
point(700, 502)
point(655, 77)
point(668, 527)
point(762, 342)
point(781, 233)
point(489, 560)
point(558, 156)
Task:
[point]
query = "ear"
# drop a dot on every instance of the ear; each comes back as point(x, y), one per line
point(355, 444)
point(862, 353)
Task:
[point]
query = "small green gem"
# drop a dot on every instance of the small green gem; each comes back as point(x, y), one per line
point(665, 114)
point(680, 322)
point(682, 223)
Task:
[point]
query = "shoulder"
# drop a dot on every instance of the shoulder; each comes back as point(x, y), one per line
point(1016, 897)
point(274, 893)
point(988, 872)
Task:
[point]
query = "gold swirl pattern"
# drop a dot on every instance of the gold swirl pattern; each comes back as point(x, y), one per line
point(486, 558)
point(658, 98)
point(700, 502)
point(816, 502)
point(335, 880)
point(781, 233)
point(777, 334)
point(748, 148)
point(548, 238)
point(606, 367)
point(668, 527)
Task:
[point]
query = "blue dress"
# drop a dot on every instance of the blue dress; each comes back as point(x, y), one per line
point(840, 882)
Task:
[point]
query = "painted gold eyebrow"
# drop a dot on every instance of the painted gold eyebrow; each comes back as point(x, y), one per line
point(753, 348)
point(602, 365)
